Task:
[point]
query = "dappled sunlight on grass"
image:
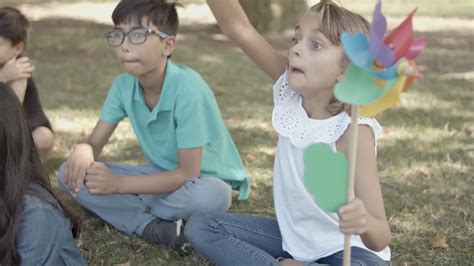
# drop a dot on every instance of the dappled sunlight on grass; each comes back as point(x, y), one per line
point(219, 37)
point(269, 151)
point(445, 51)
point(251, 123)
point(211, 59)
point(397, 150)
point(419, 171)
point(462, 75)
point(425, 100)
point(421, 135)
point(406, 221)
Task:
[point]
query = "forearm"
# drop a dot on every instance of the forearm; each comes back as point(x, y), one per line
point(19, 87)
point(96, 149)
point(378, 235)
point(159, 183)
point(99, 137)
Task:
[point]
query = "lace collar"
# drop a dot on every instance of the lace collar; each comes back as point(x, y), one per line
point(290, 119)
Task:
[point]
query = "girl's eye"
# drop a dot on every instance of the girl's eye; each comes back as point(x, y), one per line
point(316, 45)
point(294, 40)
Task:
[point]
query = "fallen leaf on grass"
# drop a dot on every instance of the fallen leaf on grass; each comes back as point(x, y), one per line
point(254, 196)
point(439, 241)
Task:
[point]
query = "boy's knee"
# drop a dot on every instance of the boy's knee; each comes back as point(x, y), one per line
point(214, 196)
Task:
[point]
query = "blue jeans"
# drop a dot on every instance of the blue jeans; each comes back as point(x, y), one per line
point(45, 237)
point(233, 239)
point(130, 213)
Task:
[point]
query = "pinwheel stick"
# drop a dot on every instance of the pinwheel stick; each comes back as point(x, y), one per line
point(353, 135)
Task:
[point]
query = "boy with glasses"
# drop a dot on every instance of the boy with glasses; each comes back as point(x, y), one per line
point(177, 122)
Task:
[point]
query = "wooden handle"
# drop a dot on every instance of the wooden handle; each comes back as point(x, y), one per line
point(353, 136)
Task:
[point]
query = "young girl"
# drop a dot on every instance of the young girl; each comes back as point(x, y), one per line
point(305, 112)
point(35, 226)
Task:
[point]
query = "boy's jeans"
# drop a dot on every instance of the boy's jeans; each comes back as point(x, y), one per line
point(130, 213)
point(233, 239)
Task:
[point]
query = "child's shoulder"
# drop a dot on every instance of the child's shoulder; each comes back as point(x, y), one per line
point(38, 199)
point(190, 82)
point(188, 75)
point(369, 131)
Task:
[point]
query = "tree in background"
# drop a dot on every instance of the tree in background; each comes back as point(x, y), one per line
point(269, 15)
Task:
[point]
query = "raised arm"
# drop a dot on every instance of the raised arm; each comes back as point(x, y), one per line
point(236, 26)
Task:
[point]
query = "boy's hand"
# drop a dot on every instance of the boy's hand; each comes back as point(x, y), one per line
point(75, 169)
point(15, 69)
point(354, 218)
point(100, 180)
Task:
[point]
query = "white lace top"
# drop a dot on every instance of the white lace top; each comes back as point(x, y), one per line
point(308, 232)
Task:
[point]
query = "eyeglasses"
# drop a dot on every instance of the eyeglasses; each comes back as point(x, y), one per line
point(135, 36)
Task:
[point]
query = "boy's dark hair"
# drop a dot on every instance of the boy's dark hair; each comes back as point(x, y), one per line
point(13, 25)
point(162, 13)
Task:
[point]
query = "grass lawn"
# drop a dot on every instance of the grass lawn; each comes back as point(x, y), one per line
point(425, 155)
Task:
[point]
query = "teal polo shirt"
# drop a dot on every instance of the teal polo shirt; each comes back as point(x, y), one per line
point(186, 116)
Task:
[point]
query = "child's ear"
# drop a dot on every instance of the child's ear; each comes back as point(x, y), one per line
point(170, 44)
point(18, 48)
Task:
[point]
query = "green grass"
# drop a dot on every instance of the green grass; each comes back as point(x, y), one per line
point(425, 155)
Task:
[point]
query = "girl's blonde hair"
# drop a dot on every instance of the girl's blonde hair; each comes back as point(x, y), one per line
point(333, 21)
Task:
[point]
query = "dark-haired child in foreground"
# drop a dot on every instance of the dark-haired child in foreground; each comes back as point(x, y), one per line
point(36, 228)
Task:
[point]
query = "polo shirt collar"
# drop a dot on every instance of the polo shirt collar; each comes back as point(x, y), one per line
point(166, 102)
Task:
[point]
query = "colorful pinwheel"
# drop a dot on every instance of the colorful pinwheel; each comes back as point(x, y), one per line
point(381, 68)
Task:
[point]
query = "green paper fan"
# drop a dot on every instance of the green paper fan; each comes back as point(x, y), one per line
point(326, 176)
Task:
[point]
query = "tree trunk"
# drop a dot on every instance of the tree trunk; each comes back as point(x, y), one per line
point(259, 13)
point(273, 15)
point(292, 10)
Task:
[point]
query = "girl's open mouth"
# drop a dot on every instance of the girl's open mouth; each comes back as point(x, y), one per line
point(295, 70)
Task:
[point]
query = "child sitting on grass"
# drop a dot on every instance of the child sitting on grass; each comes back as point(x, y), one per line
point(305, 112)
point(36, 228)
point(193, 160)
